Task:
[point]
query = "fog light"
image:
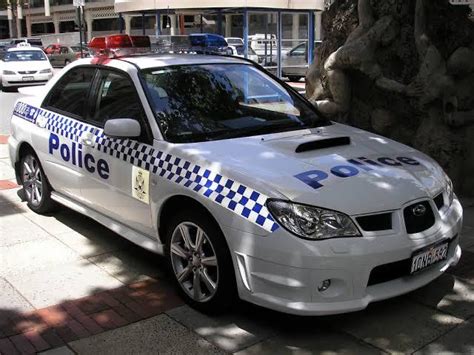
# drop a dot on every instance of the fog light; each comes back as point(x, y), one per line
point(323, 286)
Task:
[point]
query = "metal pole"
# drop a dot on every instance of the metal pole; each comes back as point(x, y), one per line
point(143, 23)
point(310, 37)
point(120, 19)
point(81, 37)
point(158, 23)
point(246, 33)
point(219, 22)
point(279, 34)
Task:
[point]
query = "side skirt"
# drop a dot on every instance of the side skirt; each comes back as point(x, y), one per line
point(132, 235)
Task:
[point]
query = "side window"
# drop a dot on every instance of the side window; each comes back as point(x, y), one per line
point(64, 50)
point(299, 51)
point(69, 95)
point(117, 97)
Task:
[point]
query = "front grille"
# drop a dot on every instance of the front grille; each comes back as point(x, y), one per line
point(376, 222)
point(28, 72)
point(389, 272)
point(415, 221)
point(28, 82)
point(439, 201)
point(395, 270)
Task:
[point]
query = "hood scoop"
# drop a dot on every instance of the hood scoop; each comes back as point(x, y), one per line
point(323, 143)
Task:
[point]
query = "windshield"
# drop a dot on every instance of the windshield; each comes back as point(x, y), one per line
point(194, 103)
point(23, 56)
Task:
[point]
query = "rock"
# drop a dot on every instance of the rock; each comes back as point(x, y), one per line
point(409, 120)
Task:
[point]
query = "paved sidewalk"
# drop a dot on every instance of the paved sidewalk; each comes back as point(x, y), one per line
point(69, 285)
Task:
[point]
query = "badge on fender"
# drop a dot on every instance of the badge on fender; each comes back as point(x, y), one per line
point(141, 184)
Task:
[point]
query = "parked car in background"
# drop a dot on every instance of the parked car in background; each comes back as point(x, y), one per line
point(24, 65)
point(3, 48)
point(238, 51)
point(60, 56)
point(33, 41)
point(266, 47)
point(234, 41)
point(209, 43)
point(295, 61)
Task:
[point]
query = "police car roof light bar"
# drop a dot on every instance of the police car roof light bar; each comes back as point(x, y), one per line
point(115, 46)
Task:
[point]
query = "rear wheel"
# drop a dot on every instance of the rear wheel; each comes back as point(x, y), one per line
point(35, 185)
point(66, 62)
point(200, 262)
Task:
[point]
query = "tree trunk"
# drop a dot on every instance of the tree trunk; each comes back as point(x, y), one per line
point(416, 86)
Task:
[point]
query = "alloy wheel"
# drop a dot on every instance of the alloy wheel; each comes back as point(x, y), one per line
point(32, 180)
point(194, 261)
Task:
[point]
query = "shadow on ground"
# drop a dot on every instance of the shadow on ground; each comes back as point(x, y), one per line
point(436, 318)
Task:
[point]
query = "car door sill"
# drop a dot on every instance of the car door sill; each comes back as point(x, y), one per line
point(132, 235)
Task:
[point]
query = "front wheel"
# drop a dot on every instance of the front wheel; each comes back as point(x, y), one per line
point(35, 185)
point(200, 262)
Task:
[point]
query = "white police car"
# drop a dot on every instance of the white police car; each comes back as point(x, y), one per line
point(238, 180)
point(24, 65)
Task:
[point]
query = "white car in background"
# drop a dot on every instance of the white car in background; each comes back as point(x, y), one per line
point(234, 41)
point(24, 65)
point(238, 51)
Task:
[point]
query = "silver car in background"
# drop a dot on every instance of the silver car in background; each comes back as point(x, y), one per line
point(295, 61)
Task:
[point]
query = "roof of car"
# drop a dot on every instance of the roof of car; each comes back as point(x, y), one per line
point(26, 48)
point(163, 60)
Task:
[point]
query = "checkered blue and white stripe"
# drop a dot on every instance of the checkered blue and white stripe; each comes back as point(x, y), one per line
point(240, 199)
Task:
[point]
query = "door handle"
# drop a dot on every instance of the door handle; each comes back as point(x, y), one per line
point(87, 142)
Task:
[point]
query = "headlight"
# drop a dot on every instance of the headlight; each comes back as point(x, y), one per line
point(312, 222)
point(449, 190)
point(8, 72)
point(45, 71)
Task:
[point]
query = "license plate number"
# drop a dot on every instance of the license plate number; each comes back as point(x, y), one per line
point(428, 257)
point(28, 78)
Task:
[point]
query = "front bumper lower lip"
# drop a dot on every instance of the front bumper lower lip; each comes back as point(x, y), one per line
point(373, 293)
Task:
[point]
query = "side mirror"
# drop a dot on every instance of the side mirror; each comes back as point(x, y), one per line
point(122, 128)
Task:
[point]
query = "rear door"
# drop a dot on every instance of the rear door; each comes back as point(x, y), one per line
point(113, 182)
point(61, 119)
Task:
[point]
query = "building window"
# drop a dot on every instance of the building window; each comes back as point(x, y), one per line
point(67, 26)
point(106, 24)
point(136, 22)
point(41, 28)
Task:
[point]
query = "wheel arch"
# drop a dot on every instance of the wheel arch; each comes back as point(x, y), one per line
point(177, 202)
point(23, 148)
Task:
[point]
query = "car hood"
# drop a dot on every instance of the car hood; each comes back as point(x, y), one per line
point(370, 174)
point(26, 65)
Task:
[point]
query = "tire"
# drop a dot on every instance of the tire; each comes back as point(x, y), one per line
point(36, 188)
point(209, 267)
point(294, 78)
point(66, 62)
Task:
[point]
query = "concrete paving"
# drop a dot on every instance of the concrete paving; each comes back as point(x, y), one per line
point(160, 335)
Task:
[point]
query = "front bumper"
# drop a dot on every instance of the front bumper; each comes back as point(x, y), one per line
point(283, 272)
point(17, 80)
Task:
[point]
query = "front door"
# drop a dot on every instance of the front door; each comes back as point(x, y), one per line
point(114, 186)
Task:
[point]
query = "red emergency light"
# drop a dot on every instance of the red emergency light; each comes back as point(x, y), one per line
point(114, 46)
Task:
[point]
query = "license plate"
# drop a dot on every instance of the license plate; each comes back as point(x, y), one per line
point(429, 256)
point(28, 78)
